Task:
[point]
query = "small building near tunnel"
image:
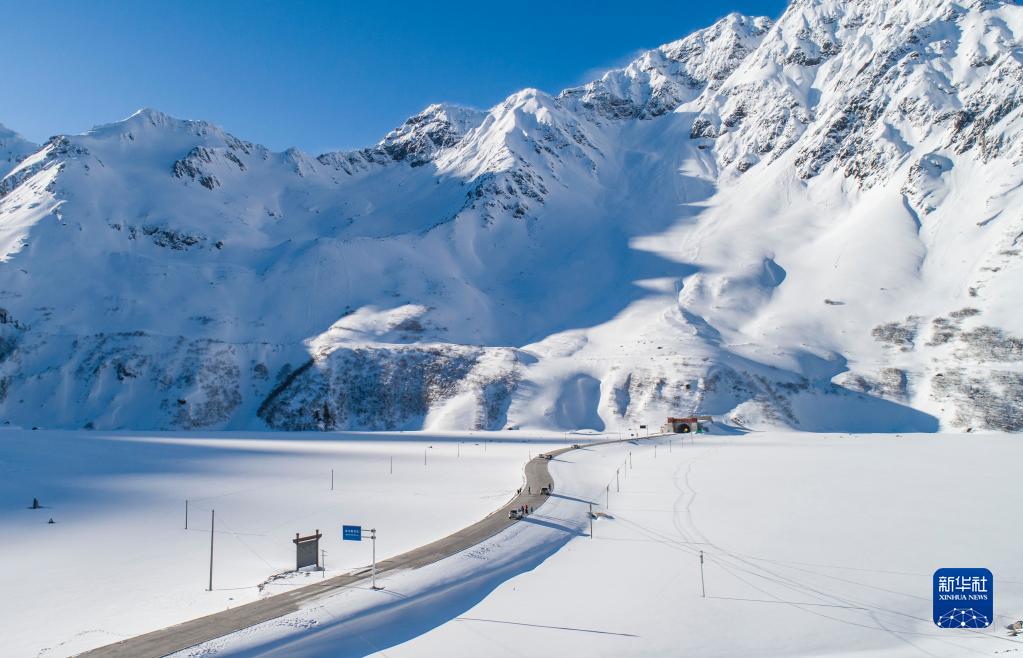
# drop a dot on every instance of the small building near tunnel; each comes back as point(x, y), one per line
point(688, 425)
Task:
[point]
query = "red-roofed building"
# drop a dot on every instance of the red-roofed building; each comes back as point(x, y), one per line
point(688, 425)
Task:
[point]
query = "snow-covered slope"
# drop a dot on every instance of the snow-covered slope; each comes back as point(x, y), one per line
point(13, 149)
point(810, 223)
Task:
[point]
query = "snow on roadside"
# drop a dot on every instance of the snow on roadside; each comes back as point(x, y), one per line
point(814, 544)
point(119, 562)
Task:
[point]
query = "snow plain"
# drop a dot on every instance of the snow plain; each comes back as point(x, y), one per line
point(814, 545)
point(119, 562)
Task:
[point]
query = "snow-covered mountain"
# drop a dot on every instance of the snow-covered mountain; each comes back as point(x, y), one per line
point(813, 223)
point(13, 149)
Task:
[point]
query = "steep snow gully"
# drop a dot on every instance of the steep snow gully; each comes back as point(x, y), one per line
point(808, 223)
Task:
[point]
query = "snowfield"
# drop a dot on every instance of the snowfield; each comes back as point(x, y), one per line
point(119, 562)
point(814, 545)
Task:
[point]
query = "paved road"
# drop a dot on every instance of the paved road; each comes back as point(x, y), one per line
point(190, 633)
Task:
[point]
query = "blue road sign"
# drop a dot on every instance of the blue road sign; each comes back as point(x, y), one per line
point(351, 532)
point(963, 598)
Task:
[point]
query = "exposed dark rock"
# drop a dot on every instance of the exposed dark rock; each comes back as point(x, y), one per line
point(990, 399)
point(381, 388)
point(172, 238)
point(899, 334)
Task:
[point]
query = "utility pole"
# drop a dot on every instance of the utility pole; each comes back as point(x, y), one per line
point(323, 563)
point(607, 496)
point(373, 536)
point(703, 586)
point(213, 514)
point(459, 449)
point(618, 484)
point(591, 520)
point(655, 451)
point(392, 465)
point(630, 459)
point(331, 479)
point(186, 514)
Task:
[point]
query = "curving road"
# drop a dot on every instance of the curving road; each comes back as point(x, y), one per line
point(190, 633)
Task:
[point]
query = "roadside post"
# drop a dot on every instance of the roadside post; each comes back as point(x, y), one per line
point(703, 586)
point(213, 515)
point(354, 533)
point(591, 520)
point(374, 538)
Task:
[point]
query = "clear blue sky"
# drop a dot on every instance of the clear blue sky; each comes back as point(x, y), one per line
point(317, 75)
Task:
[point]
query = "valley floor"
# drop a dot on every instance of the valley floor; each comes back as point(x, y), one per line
point(118, 560)
point(813, 545)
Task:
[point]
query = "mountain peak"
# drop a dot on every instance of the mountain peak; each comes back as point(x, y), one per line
point(146, 116)
point(150, 114)
point(13, 149)
point(151, 122)
point(8, 135)
point(438, 126)
point(462, 117)
point(660, 80)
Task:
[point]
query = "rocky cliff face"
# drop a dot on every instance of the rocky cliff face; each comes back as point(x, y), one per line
point(661, 80)
point(811, 223)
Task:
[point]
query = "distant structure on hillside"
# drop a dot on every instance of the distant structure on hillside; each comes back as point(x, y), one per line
point(690, 425)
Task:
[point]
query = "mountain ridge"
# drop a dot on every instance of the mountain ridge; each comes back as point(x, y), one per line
point(806, 222)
